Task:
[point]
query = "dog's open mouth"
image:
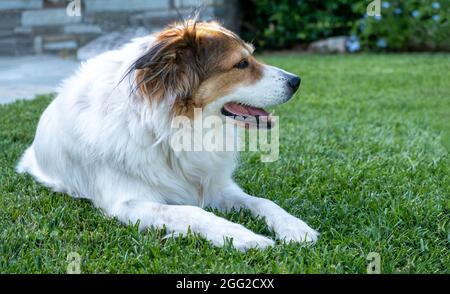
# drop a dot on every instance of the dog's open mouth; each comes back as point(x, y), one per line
point(248, 116)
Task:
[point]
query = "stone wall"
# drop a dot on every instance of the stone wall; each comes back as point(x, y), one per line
point(63, 26)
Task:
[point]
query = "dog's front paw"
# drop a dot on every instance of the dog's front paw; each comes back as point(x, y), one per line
point(256, 241)
point(241, 238)
point(290, 228)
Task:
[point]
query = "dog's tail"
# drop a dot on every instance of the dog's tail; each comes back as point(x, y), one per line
point(27, 162)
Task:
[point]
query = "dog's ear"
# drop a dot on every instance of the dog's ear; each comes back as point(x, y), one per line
point(172, 65)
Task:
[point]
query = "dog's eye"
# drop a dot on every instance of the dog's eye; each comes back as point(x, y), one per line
point(242, 64)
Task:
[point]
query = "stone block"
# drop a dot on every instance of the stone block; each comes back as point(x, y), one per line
point(120, 5)
point(193, 3)
point(60, 46)
point(57, 3)
point(10, 20)
point(82, 29)
point(6, 33)
point(20, 4)
point(16, 45)
point(159, 19)
point(108, 21)
point(330, 45)
point(46, 17)
point(23, 30)
point(38, 44)
point(111, 41)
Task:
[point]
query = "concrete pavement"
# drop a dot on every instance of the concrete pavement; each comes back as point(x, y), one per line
point(27, 76)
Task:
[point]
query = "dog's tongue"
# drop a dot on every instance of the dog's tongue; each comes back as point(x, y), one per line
point(243, 110)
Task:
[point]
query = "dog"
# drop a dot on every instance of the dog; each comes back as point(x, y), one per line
point(106, 136)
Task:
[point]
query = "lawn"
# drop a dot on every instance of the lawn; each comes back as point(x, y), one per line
point(364, 159)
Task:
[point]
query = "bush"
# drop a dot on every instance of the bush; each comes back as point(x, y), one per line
point(278, 24)
point(405, 25)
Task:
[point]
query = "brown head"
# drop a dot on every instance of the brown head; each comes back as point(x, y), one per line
point(203, 65)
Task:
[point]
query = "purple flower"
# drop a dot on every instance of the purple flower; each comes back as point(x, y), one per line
point(362, 26)
point(397, 10)
point(436, 5)
point(381, 43)
point(415, 13)
point(386, 4)
point(353, 44)
point(436, 17)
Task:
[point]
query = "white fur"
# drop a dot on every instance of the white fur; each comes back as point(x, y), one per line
point(95, 141)
point(270, 90)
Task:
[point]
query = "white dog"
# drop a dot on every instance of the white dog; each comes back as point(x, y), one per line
point(106, 136)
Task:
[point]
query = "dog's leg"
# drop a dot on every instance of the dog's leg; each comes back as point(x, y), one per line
point(178, 218)
point(285, 226)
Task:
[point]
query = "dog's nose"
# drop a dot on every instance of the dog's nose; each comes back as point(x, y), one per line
point(294, 83)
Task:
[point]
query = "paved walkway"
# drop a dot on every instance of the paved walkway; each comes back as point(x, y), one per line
point(25, 77)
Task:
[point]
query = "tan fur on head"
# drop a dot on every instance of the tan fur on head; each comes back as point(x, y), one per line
point(170, 67)
point(194, 64)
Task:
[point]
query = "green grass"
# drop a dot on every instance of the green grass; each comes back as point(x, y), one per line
point(364, 159)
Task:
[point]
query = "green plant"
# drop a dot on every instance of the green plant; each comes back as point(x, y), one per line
point(286, 23)
point(405, 25)
point(402, 26)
